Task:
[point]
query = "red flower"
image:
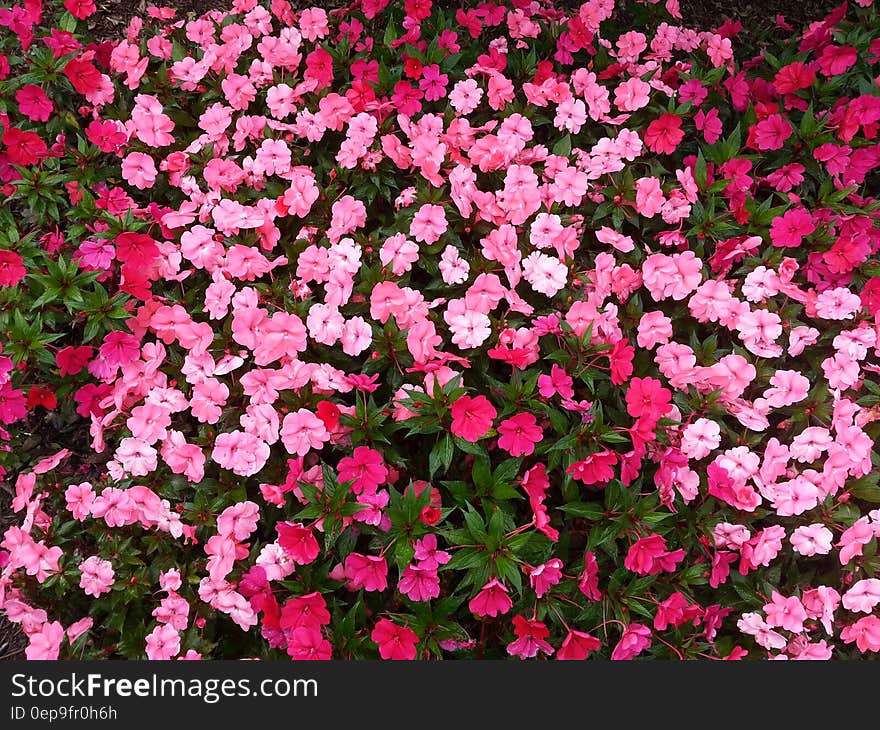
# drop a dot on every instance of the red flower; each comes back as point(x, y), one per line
point(430, 515)
point(793, 77)
point(41, 397)
point(649, 556)
point(531, 638)
point(577, 645)
point(412, 67)
point(136, 249)
point(395, 642)
point(83, 75)
point(80, 9)
point(23, 148)
point(12, 268)
point(664, 134)
point(298, 542)
point(70, 360)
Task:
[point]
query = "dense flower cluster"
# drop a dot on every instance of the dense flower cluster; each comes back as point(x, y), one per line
point(504, 330)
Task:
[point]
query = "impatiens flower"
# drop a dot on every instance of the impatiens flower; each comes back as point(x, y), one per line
point(787, 613)
point(771, 133)
point(12, 268)
point(577, 645)
point(865, 633)
point(96, 576)
point(45, 643)
point(163, 642)
point(472, 417)
point(531, 638)
point(492, 600)
point(364, 468)
point(369, 572)
point(595, 469)
point(298, 542)
point(664, 134)
point(646, 397)
point(302, 431)
point(394, 642)
point(33, 103)
point(863, 596)
point(519, 434)
point(635, 639)
point(811, 540)
point(649, 556)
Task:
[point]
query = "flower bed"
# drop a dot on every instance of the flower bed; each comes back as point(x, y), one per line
point(408, 331)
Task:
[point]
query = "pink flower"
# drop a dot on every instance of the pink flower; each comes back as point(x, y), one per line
point(298, 542)
point(308, 643)
point(428, 224)
point(809, 540)
point(96, 576)
point(558, 382)
point(787, 613)
point(369, 572)
point(242, 452)
point(79, 499)
point(33, 103)
point(631, 95)
point(596, 468)
point(395, 642)
point(433, 83)
point(789, 387)
point(302, 431)
point(699, 438)
point(771, 133)
point(789, 229)
point(45, 643)
point(163, 642)
point(649, 556)
point(863, 596)
point(646, 397)
point(636, 638)
point(546, 575)
point(492, 600)
point(865, 633)
point(519, 434)
point(139, 170)
point(419, 583)
point(655, 328)
point(472, 417)
point(365, 468)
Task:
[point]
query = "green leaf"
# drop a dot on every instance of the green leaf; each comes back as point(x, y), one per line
point(441, 455)
point(589, 510)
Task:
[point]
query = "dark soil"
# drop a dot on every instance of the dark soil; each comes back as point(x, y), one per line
point(710, 14)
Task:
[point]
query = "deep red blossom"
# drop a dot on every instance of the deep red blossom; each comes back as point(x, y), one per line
point(12, 268)
point(23, 147)
point(664, 134)
point(83, 75)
